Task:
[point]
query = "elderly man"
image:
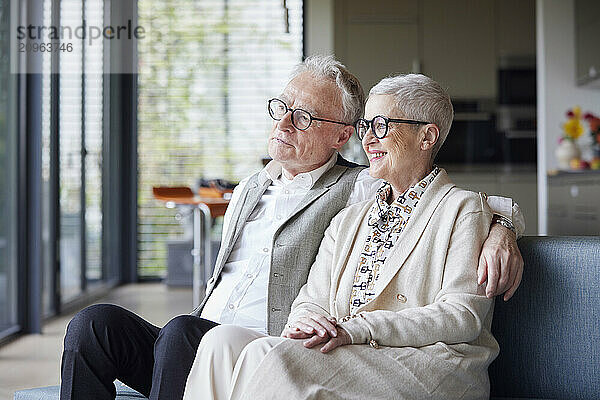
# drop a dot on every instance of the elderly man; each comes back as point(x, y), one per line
point(272, 231)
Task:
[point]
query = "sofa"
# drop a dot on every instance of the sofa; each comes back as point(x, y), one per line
point(549, 332)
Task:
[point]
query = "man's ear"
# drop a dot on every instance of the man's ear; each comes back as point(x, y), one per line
point(344, 135)
point(430, 136)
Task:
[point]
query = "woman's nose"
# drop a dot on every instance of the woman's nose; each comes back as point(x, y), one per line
point(369, 137)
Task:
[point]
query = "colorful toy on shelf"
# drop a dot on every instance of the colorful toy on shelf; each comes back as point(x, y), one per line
point(578, 164)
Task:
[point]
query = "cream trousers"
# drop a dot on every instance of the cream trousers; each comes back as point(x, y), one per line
point(225, 361)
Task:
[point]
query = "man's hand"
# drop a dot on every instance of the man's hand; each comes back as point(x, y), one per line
point(309, 326)
point(500, 263)
point(331, 343)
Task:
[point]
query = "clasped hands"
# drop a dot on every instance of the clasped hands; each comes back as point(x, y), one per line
point(317, 329)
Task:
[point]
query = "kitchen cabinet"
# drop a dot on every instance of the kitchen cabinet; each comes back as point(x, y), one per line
point(574, 203)
point(459, 43)
point(377, 38)
point(587, 37)
point(458, 46)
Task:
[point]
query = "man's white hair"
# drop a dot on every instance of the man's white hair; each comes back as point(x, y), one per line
point(351, 91)
point(420, 98)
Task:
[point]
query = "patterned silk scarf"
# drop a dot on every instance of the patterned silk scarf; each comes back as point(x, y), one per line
point(386, 222)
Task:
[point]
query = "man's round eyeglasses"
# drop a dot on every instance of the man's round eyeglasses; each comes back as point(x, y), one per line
point(301, 119)
point(379, 125)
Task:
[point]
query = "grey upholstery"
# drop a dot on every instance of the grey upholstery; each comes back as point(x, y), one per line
point(53, 393)
point(549, 332)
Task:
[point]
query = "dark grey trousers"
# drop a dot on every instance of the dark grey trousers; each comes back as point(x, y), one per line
point(105, 342)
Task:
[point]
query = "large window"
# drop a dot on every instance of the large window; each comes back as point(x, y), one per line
point(8, 174)
point(73, 81)
point(206, 71)
point(55, 164)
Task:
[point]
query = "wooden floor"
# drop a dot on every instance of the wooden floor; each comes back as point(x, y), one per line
point(34, 360)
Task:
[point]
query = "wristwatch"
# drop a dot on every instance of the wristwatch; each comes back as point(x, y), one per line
point(505, 222)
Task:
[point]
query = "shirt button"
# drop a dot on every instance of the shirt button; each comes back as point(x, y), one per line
point(279, 217)
point(266, 250)
point(249, 276)
point(231, 306)
point(287, 191)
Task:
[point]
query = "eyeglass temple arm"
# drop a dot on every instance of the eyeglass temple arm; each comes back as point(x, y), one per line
point(328, 120)
point(408, 121)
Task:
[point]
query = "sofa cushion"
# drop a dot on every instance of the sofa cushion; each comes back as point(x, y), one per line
point(53, 393)
point(549, 332)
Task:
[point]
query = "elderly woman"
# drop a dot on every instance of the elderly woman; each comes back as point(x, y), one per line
point(391, 309)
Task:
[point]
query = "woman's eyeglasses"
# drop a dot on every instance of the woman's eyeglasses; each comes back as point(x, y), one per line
point(380, 125)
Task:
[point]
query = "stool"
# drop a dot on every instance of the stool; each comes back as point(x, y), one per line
point(208, 204)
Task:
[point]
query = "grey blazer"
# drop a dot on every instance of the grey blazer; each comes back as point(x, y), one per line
point(295, 243)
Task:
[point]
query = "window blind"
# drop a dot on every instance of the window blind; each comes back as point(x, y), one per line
point(206, 70)
point(93, 82)
point(70, 125)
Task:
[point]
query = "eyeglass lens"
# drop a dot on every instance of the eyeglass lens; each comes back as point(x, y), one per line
point(379, 125)
point(300, 119)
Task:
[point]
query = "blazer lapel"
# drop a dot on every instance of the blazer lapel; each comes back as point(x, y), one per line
point(413, 230)
point(251, 199)
point(247, 202)
point(320, 187)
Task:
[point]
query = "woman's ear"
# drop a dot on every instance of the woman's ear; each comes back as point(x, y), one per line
point(430, 137)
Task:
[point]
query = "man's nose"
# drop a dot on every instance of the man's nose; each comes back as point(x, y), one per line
point(285, 123)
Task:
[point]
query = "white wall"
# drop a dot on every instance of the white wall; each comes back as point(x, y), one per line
point(557, 91)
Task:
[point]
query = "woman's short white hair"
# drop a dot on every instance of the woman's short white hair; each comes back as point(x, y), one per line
point(420, 98)
point(351, 91)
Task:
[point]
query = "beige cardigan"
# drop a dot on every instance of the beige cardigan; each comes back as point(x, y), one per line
point(430, 319)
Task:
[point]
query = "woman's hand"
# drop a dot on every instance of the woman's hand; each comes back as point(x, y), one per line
point(310, 325)
point(331, 343)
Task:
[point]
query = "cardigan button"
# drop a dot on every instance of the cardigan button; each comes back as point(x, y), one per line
point(401, 298)
point(373, 344)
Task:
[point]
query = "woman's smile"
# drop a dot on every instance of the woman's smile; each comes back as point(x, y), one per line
point(376, 155)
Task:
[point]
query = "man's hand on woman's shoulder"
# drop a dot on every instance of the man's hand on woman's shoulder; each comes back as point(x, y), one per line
point(500, 263)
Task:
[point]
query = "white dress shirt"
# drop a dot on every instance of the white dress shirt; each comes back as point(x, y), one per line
point(240, 298)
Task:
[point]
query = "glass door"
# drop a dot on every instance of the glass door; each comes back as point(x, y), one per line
point(78, 159)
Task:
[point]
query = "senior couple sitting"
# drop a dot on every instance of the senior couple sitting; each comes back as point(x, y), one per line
point(333, 281)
